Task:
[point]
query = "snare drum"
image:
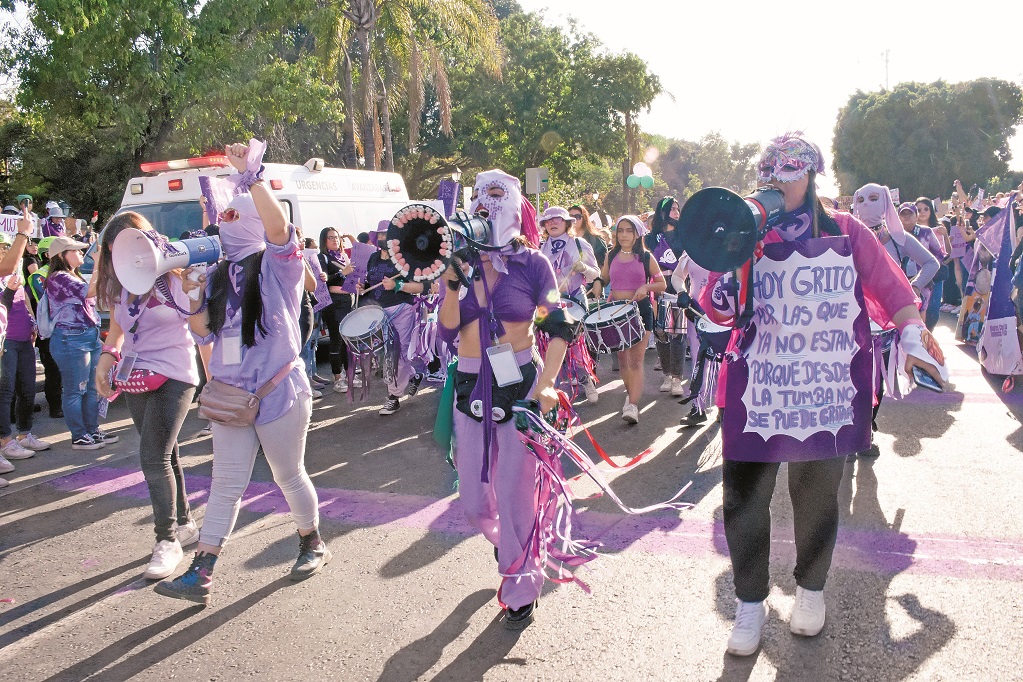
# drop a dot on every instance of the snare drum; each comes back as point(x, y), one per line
point(614, 326)
point(670, 320)
point(573, 308)
point(366, 330)
point(716, 335)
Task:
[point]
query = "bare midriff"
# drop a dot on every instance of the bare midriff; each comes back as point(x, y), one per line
point(518, 334)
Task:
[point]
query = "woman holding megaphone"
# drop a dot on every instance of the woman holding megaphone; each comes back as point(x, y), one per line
point(259, 395)
point(797, 376)
point(149, 355)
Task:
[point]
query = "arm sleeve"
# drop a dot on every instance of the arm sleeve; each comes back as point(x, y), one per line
point(925, 260)
point(7, 298)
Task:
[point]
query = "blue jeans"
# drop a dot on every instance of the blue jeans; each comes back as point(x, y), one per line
point(933, 311)
point(77, 354)
point(309, 350)
point(17, 379)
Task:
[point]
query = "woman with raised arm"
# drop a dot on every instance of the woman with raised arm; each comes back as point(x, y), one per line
point(252, 301)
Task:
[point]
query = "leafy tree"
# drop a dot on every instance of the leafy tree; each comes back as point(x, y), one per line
point(921, 137)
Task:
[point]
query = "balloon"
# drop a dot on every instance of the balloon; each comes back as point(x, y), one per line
point(641, 169)
point(647, 181)
point(633, 181)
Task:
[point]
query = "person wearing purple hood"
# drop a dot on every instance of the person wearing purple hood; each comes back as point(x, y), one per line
point(252, 300)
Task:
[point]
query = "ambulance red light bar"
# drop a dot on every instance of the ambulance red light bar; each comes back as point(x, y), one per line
point(216, 161)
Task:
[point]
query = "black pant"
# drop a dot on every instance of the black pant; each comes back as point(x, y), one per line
point(813, 488)
point(158, 416)
point(17, 378)
point(53, 387)
point(341, 305)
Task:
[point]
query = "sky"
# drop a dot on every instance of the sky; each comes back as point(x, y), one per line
point(752, 70)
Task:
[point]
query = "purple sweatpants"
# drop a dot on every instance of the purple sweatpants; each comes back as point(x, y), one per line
point(504, 509)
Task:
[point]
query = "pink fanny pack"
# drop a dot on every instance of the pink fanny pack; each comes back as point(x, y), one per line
point(141, 381)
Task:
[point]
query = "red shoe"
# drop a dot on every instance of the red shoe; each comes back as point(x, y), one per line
point(1008, 384)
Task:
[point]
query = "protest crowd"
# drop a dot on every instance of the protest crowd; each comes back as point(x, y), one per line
point(511, 311)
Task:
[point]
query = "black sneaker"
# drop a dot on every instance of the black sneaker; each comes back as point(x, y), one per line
point(518, 619)
point(86, 442)
point(414, 384)
point(105, 438)
point(56, 413)
point(695, 417)
point(313, 555)
point(391, 406)
point(194, 584)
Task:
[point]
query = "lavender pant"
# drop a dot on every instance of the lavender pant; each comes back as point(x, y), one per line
point(504, 509)
point(404, 320)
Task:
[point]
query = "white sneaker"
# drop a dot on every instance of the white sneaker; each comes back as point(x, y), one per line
point(4, 483)
point(206, 430)
point(749, 623)
point(808, 613)
point(676, 388)
point(341, 385)
point(15, 450)
point(591, 392)
point(356, 381)
point(167, 554)
point(5, 466)
point(187, 534)
point(33, 443)
point(666, 384)
point(626, 405)
point(316, 394)
point(631, 413)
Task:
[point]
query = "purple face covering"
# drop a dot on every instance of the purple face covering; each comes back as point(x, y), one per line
point(245, 236)
point(788, 158)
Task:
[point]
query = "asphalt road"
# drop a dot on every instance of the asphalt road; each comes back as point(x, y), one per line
point(924, 583)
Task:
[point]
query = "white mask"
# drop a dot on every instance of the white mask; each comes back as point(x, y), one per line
point(505, 212)
point(872, 204)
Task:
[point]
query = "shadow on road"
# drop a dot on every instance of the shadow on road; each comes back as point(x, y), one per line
point(414, 660)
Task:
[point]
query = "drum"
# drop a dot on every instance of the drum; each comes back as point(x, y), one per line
point(716, 335)
point(882, 338)
point(614, 326)
point(366, 330)
point(670, 320)
point(572, 306)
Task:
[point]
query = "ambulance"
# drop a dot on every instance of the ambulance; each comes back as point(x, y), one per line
point(313, 195)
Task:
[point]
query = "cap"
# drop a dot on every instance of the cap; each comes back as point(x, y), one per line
point(11, 210)
point(62, 244)
point(907, 206)
point(554, 212)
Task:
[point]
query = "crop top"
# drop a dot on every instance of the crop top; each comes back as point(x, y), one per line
point(528, 285)
point(627, 275)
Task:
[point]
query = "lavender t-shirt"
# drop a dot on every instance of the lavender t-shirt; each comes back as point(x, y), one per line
point(281, 282)
point(158, 332)
point(19, 321)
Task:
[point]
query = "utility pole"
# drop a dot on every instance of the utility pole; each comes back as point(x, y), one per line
point(884, 56)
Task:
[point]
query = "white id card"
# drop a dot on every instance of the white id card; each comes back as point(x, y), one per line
point(231, 348)
point(125, 366)
point(502, 361)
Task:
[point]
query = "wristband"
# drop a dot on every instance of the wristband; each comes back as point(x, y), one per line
point(913, 321)
point(454, 285)
point(399, 285)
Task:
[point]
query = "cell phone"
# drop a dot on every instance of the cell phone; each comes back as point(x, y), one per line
point(924, 379)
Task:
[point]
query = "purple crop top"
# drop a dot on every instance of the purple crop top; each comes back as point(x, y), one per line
point(627, 276)
point(528, 284)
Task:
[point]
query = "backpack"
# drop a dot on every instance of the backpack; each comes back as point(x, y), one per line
point(44, 323)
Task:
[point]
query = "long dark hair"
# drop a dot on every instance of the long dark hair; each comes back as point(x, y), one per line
point(323, 239)
point(823, 222)
point(252, 298)
point(638, 248)
point(932, 221)
point(108, 287)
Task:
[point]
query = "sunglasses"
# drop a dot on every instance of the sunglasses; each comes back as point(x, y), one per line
point(575, 216)
point(333, 238)
point(229, 215)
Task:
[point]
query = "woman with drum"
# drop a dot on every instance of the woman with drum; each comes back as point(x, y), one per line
point(665, 243)
point(800, 306)
point(386, 288)
point(632, 274)
point(336, 264)
point(574, 265)
point(251, 303)
point(493, 321)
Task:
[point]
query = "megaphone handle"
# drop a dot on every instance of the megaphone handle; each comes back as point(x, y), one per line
point(197, 271)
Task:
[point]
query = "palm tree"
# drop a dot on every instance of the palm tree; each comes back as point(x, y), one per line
point(401, 45)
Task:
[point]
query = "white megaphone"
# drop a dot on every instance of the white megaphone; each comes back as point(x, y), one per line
point(138, 260)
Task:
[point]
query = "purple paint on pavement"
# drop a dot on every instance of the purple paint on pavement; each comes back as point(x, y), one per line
point(869, 551)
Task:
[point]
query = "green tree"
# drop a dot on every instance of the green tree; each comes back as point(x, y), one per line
point(921, 137)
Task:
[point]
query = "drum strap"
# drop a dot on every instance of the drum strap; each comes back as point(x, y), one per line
point(484, 380)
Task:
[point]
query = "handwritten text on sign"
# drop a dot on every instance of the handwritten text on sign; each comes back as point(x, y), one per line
point(799, 378)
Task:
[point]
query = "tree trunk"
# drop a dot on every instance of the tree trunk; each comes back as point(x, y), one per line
point(369, 151)
point(349, 154)
point(385, 110)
